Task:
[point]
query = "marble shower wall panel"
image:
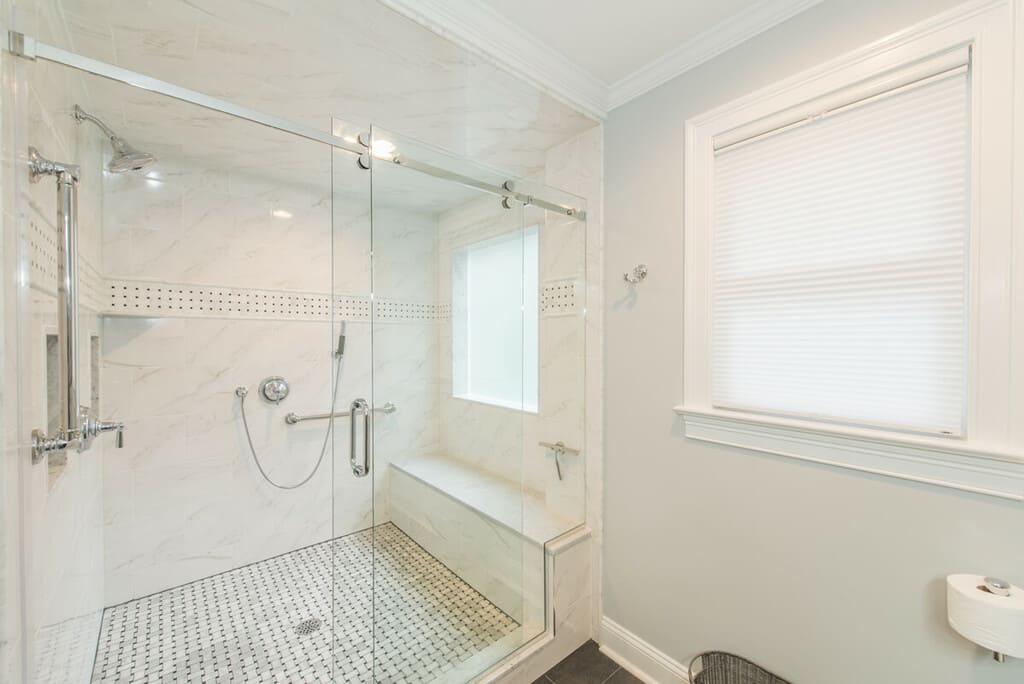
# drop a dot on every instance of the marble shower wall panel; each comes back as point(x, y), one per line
point(485, 436)
point(61, 496)
point(577, 166)
point(405, 350)
point(504, 441)
point(221, 226)
point(561, 372)
point(184, 499)
point(209, 227)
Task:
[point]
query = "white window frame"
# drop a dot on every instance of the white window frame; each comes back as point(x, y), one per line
point(989, 457)
point(528, 403)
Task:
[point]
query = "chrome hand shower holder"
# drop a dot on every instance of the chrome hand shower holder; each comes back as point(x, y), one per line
point(76, 427)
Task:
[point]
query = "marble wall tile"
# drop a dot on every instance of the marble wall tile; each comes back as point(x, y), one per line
point(185, 499)
point(59, 499)
point(173, 379)
point(504, 441)
point(577, 166)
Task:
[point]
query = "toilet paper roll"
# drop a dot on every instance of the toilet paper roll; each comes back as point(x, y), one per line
point(995, 622)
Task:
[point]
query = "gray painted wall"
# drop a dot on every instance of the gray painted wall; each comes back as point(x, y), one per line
point(825, 575)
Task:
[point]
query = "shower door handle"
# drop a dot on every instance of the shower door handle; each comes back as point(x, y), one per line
point(360, 408)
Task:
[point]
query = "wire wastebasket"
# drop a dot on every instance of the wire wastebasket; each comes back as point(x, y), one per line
point(717, 667)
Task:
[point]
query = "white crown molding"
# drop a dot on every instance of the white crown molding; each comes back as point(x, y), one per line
point(706, 46)
point(477, 27)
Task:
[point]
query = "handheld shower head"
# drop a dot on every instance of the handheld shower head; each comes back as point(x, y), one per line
point(340, 351)
point(126, 157)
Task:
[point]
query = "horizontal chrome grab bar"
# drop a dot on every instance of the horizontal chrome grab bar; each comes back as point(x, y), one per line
point(293, 418)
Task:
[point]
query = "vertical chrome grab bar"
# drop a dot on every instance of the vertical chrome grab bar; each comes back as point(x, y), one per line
point(77, 427)
point(360, 407)
point(67, 301)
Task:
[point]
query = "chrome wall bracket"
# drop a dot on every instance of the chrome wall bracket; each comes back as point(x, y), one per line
point(638, 274)
point(559, 449)
point(365, 159)
point(39, 166)
point(21, 45)
point(79, 439)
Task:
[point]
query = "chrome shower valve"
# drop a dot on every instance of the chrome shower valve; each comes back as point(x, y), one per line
point(274, 389)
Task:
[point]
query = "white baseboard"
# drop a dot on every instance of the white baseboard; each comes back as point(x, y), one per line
point(639, 657)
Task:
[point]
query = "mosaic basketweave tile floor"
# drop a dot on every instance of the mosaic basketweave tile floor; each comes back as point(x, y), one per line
point(271, 621)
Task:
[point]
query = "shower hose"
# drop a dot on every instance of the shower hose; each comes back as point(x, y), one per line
point(241, 393)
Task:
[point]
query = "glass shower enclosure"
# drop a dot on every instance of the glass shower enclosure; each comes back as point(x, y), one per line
point(348, 368)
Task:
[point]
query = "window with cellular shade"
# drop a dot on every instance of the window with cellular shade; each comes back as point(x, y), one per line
point(839, 263)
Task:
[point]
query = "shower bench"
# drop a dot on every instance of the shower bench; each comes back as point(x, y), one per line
point(500, 540)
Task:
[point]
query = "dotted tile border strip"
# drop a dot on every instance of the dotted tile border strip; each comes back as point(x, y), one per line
point(155, 299)
point(40, 240)
point(128, 297)
point(560, 297)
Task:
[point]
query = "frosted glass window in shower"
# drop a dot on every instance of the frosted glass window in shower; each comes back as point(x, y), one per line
point(494, 320)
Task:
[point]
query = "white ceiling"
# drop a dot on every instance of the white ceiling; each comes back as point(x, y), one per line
point(611, 40)
point(599, 54)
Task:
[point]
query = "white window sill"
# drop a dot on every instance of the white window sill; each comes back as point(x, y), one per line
point(934, 461)
point(512, 406)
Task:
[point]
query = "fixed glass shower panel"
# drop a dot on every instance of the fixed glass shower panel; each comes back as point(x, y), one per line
point(211, 328)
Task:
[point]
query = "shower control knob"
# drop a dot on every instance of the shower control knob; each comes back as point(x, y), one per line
point(274, 389)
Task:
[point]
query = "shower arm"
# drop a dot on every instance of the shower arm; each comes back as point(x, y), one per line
point(76, 427)
point(82, 115)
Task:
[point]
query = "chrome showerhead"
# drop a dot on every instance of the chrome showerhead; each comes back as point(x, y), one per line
point(126, 157)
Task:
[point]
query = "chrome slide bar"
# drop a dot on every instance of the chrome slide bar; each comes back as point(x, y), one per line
point(293, 418)
point(507, 190)
point(25, 46)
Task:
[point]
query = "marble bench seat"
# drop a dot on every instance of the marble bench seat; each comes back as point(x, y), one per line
point(482, 527)
point(501, 500)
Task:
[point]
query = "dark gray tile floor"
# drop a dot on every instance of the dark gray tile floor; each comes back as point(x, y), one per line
point(587, 665)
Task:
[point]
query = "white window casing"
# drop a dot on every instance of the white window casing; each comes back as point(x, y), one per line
point(799, 341)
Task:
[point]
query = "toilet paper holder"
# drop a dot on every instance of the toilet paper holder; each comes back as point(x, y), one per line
point(999, 587)
point(988, 611)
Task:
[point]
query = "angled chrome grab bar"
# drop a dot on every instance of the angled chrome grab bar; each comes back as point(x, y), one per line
point(76, 427)
point(294, 418)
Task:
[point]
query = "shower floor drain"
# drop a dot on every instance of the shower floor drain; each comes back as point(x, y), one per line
point(308, 626)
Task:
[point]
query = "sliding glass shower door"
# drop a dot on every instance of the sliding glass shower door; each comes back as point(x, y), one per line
point(457, 584)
